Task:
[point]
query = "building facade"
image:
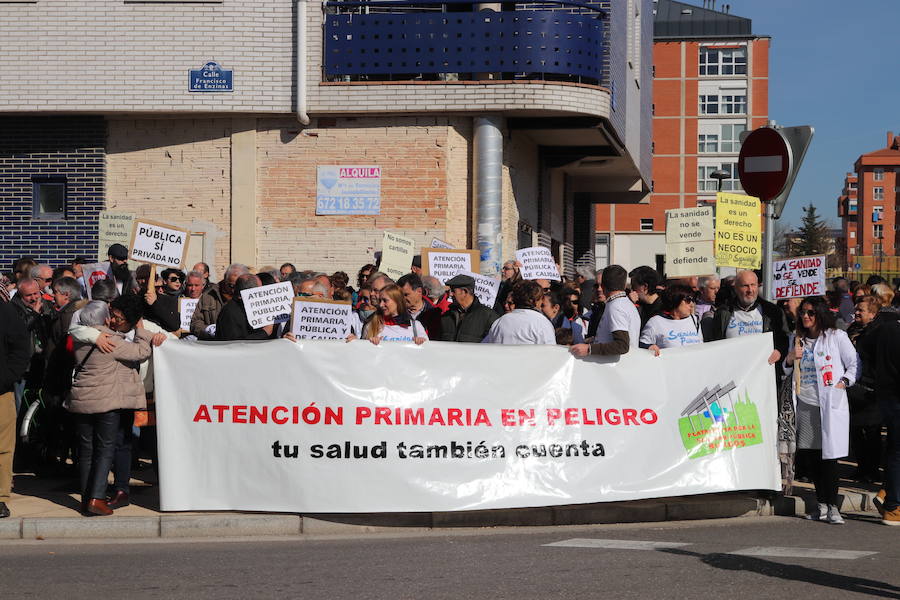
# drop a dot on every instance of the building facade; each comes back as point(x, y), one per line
point(710, 83)
point(872, 241)
point(216, 115)
point(848, 212)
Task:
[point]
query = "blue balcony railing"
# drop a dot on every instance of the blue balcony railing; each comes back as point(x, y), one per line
point(408, 39)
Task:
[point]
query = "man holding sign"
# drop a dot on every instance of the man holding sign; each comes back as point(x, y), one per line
point(232, 323)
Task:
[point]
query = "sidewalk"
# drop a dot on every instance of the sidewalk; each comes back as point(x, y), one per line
point(47, 507)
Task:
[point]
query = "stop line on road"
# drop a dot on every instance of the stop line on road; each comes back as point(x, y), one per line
point(756, 551)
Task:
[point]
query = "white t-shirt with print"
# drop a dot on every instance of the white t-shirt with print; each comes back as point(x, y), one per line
point(671, 333)
point(744, 323)
point(620, 315)
point(398, 333)
point(808, 392)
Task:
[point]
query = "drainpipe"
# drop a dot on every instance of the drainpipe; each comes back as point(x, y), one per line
point(301, 62)
point(488, 166)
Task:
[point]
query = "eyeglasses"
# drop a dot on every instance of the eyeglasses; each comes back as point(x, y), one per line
point(507, 269)
point(175, 278)
point(808, 313)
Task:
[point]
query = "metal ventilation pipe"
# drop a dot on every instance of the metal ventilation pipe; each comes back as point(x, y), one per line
point(488, 167)
point(300, 73)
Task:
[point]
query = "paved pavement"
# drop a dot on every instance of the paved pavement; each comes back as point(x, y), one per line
point(774, 557)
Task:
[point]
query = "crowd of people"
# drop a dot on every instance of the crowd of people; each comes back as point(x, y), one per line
point(87, 353)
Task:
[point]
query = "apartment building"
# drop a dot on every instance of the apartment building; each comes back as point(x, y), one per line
point(489, 126)
point(710, 83)
point(848, 211)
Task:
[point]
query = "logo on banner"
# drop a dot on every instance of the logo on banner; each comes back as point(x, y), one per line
point(715, 421)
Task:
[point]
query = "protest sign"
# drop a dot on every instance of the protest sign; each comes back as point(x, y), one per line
point(436, 243)
point(738, 231)
point(327, 426)
point(158, 244)
point(689, 242)
point(446, 264)
point(537, 263)
point(268, 304)
point(396, 255)
point(114, 227)
point(186, 308)
point(320, 319)
point(91, 274)
point(798, 277)
point(486, 288)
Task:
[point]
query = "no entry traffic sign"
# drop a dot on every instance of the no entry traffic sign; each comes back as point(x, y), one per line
point(765, 163)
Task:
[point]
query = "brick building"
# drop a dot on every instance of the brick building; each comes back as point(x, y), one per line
point(871, 239)
point(848, 211)
point(485, 144)
point(710, 83)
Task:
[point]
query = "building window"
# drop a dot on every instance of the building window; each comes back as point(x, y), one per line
point(709, 104)
point(48, 196)
point(877, 214)
point(878, 231)
point(851, 185)
point(723, 61)
point(646, 224)
point(879, 174)
point(731, 137)
point(877, 193)
point(876, 249)
point(734, 104)
point(852, 205)
point(706, 182)
point(601, 251)
point(707, 143)
point(852, 234)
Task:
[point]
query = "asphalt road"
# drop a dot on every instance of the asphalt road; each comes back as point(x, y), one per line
point(674, 560)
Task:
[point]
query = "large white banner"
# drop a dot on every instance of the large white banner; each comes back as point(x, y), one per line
point(327, 426)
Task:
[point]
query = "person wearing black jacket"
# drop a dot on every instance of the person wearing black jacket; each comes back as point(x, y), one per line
point(232, 323)
point(887, 390)
point(468, 320)
point(15, 353)
point(745, 314)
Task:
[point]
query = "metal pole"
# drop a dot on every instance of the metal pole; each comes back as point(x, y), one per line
point(488, 167)
point(767, 251)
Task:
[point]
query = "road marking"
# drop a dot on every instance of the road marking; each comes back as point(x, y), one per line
point(616, 544)
point(781, 552)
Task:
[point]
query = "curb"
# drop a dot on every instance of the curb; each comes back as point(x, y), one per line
point(225, 525)
point(804, 502)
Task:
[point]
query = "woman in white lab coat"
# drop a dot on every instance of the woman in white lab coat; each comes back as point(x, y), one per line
point(827, 364)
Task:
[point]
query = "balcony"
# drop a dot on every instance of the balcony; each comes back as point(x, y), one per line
point(407, 40)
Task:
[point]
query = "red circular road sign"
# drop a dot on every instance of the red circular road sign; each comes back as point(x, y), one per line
point(764, 163)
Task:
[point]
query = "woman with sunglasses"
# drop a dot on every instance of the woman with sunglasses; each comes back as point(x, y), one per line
point(826, 365)
point(392, 322)
point(677, 325)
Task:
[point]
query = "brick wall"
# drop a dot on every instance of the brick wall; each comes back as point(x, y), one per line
point(176, 171)
point(413, 155)
point(70, 147)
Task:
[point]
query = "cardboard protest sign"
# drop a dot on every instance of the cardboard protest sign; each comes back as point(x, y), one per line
point(436, 243)
point(158, 244)
point(396, 255)
point(798, 277)
point(689, 242)
point(268, 304)
point(537, 263)
point(447, 264)
point(486, 288)
point(738, 231)
point(114, 227)
point(186, 308)
point(320, 319)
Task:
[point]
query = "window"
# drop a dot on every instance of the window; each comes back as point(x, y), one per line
point(877, 249)
point(709, 104)
point(878, 231)
point(646, 224)
point(708, 143)
point(731, 137)
point(852, 234)
point(852, 205)
point(852, 250)
point(877, 213)
point(48, 198)
point(877, 193)
point(734, 104)
point(601, 251)
point(851, 185)
point(879, 174)
point(723, 61)
point(707, 183)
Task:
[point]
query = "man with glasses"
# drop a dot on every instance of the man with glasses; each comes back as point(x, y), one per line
point(43, 275)
point(748, 314)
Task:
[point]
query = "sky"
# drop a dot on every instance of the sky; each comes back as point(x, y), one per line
point(834, 65)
